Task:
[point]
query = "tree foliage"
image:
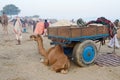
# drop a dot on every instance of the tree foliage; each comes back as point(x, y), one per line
point(36, 16)
point(11, 9)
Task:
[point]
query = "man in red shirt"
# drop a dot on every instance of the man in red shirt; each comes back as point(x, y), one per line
point(39, 28)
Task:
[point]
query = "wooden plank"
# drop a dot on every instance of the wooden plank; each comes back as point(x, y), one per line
point(64, 31)
point(88, 31)
point(72, 31)
point(75, 32)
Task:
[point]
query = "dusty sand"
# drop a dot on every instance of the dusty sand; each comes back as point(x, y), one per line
point(22, 62)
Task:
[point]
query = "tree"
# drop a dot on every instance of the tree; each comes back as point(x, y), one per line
point(36, 16)
point(11, 10)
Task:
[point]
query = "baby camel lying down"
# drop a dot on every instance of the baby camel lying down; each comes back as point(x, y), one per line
point(54, 57)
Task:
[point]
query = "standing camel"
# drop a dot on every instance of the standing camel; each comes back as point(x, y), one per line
point(4, 22)
point(54, 57)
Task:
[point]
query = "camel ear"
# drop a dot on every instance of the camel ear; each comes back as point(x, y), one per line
point(32, 37)
point(38, 35)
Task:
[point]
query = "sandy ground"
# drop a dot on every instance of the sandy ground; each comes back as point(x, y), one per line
point(22, 62)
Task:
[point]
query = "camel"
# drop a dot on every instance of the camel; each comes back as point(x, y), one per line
point(54, 57)
point(4, 22)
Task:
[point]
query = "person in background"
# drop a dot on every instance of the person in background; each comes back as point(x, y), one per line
point(114, 41)
point(18, 30)
point(24, 21)
point(39, 29)
point(46, 25)
point(116, 22)
point(34, 25)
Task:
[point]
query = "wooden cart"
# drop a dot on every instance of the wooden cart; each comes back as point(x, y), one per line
point(79, 43)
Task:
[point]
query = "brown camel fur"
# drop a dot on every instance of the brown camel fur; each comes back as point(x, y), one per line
point(54, 57)
point(40, 45)
point(4, 22)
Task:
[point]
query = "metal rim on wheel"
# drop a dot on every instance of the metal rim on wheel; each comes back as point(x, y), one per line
point(88, 54)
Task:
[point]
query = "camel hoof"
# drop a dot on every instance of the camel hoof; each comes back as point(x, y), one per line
point(41, 60)
point(64, 71)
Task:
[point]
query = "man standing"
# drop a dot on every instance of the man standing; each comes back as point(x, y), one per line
point(114, 41)
point(116, 23)
point(39, 28)
point(18, 30)
point(46, 25)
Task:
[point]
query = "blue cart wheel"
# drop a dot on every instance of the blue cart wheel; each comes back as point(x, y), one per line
point(85, 53)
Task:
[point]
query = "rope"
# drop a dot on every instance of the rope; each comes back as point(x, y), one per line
point(99, 47)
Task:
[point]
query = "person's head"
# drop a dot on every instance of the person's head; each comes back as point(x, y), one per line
point(116, 20)
point(45, 20)
point(17, 17)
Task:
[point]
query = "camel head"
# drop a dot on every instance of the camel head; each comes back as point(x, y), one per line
point(36, 37)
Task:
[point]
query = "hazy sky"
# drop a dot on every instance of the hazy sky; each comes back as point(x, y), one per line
point(67, 9)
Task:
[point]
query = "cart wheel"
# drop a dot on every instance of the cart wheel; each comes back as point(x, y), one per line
point(84, 53)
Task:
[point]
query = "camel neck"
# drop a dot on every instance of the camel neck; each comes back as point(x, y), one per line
point(40, 44)
point(41, 48)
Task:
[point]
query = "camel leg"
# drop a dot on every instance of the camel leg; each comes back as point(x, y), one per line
point(61, 66)
point(5, 30)
point(46, 62)
point(58, 67)
point(7, 33)
point(64, 71)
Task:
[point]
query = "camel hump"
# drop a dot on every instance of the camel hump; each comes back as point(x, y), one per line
point(4, 19)
point(59, 48)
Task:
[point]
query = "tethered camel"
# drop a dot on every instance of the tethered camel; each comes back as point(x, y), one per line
point(54, 57)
